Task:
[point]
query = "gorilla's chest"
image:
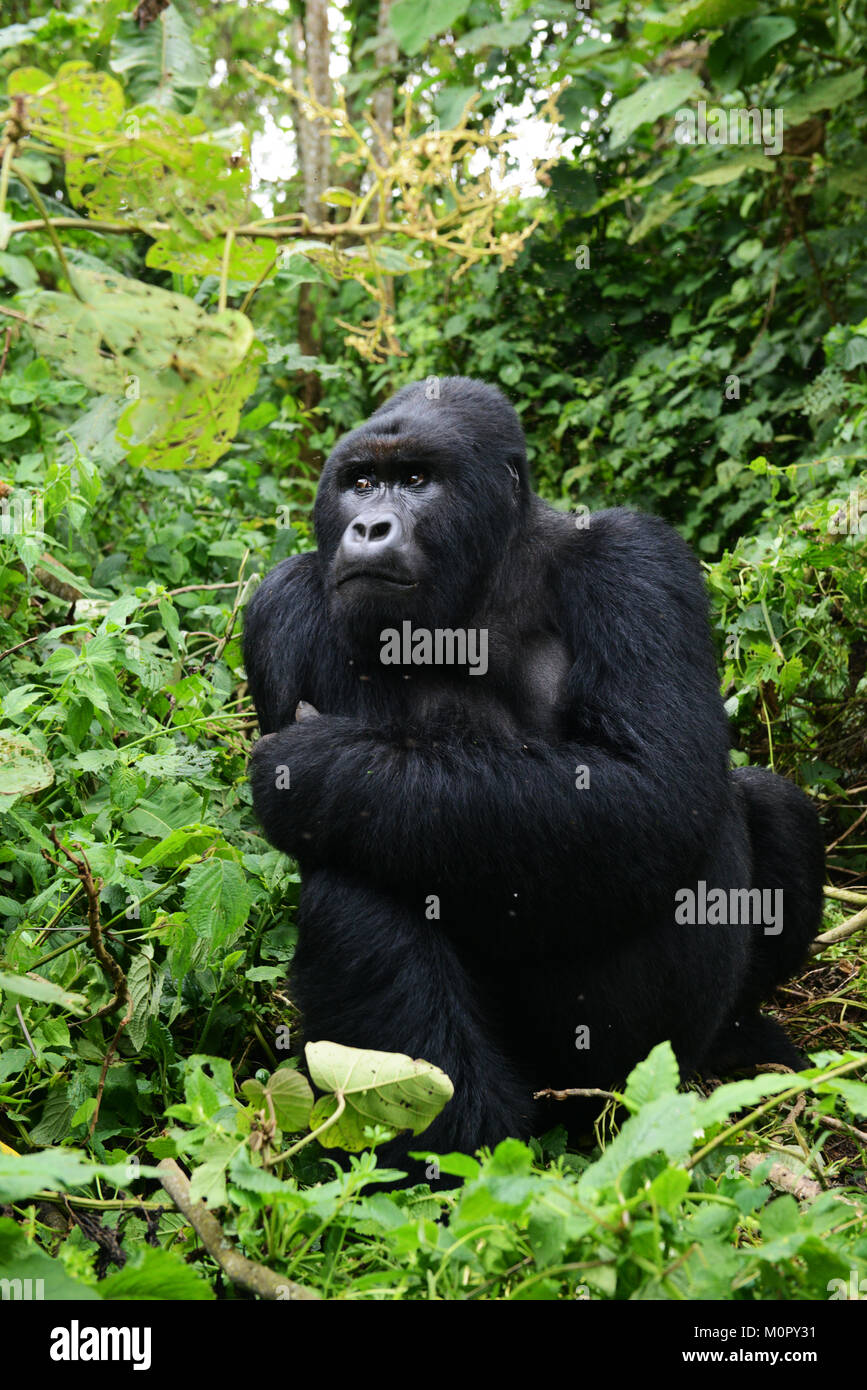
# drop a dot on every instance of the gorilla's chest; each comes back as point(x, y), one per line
point(519, 694)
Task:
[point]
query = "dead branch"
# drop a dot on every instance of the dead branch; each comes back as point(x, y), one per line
point(246, 1273)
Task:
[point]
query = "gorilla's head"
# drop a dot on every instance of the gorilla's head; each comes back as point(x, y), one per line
point(417, 506)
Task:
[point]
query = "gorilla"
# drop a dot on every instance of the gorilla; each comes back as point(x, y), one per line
point(493, 740)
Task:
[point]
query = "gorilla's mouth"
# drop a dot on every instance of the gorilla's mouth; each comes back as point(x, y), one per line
point(379, 576)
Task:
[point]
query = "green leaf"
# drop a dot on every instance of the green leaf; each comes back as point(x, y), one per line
point(290, 1095)
point(217, 900)
point(156, 1275)
point(853, 1092)
point(652, 99)
point(160, 63)
point(40, 1276)
point(413, 24)
point(826, 94)
point(667, 1125)
point(507, 35)
point(23, 768)
point(658, 1075)
point(77, 102)
point(694, 14)
point(384, 1088)
point(43, 990)
point(739, 1095)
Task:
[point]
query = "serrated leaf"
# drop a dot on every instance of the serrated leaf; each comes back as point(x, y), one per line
point(658, 1075)
point(156, 1275)
point(138, 979)
point(21, 1260)
point(667, 1125)
point(739, 1095)
point(216, 900)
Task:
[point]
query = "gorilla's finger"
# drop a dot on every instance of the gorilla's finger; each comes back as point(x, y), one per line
point(304, 710)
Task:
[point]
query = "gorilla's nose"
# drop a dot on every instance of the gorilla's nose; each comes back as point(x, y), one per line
point(373, 536)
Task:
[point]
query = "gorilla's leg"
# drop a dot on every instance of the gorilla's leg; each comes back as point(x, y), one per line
point(788, 855)
point(370, 971)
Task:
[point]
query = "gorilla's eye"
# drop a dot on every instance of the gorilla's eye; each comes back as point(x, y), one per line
point(416, 480)
point(363, 483)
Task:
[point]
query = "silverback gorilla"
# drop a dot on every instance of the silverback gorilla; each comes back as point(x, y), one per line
point(531, 868)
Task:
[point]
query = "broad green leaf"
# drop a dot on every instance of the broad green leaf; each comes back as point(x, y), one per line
point(158, 1275)
point(290, 1095)
point(31, 1274)
point(654, 98)
point(507, 35)
point(122, 330)
point(76, 102)
point(217, 900)
point(61, 1169)
point(667, 1125)
point(853, 1092)
point(45, 991)
point(23, 768)
point(739, 1095)
point(385, 1088)
point(196, 428)
point(189, 842)
point(726, 171)
point(160, 63)
point(691, 15)
point(826, 94)
point(413, 24)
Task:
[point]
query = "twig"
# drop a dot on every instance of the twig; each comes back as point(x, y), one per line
point(5, 350)
point(105, 1061)
point(46, 222)
point(17, 648)
point(845, 929)
point(25, 1032)
point(239, 599)
point(845, 895)
point(246, 1273)
point(190, 589)
point(846, 833)
point(573, 1091)
point(807, 1189)
point(831, 1122)
point(91, 887)
point(110, 967)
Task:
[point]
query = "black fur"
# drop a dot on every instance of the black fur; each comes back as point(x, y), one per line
point(556, 903)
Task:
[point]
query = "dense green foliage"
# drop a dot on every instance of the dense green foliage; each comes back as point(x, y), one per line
point(683, 330)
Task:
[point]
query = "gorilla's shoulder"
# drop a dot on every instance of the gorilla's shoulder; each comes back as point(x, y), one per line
point(292, 585)
point(638, 541)
point(296, 576)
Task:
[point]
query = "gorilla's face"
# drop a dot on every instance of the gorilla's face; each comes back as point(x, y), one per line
point(417, 506)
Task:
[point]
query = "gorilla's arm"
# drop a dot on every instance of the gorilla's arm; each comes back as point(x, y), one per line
point(643, 717)
point(281, 631)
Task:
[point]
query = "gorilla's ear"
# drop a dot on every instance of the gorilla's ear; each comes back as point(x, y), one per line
point(513, 462)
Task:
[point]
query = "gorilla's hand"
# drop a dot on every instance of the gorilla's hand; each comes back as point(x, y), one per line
point(304, 710)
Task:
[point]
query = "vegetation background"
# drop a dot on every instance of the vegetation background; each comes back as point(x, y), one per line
point(227, 232)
